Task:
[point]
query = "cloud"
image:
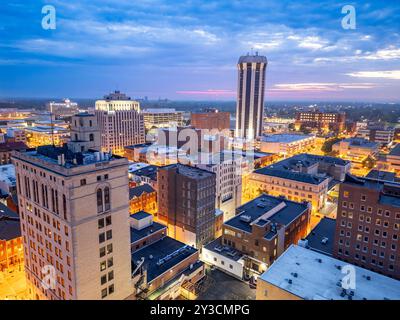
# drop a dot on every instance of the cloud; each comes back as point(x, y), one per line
point(322, 86)
point(209, 92)
point(391, 74)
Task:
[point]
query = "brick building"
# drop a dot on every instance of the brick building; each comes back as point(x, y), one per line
point(368, 225)
point(142, 198)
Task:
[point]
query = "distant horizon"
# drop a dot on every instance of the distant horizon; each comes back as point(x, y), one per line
point(188, 50)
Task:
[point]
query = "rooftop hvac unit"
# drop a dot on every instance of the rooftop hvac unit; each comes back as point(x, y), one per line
point(245, 218)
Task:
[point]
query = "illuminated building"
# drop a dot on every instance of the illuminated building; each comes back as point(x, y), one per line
point(303, 177)
point(250, 102)
point(11, 248)
point(142, 198)
point(163, 268)
point(162, 118)
point(121, 122)
point(326, 121)
point(74, 211)
point(66, 108)
point(186, 203)
point(303, 274)
point(42, 136)
point(368, 224)
point(356, 149)
point(211, 119)
point(287, 144)
point(257, 235)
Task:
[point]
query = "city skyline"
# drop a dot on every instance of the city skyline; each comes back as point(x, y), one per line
point(189, 51)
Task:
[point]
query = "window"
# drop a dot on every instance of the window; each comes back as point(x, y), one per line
point(103, 293)
point(109, 234)
point(99, 195)
point(102, 252)
point(111, 289)
point(107, 198)
point(110, 275)
point(102, 237)
point(102, 266)
point(91, 137)
point(101, 223)
point(110, 263)
point(103, 279)
point(83, 182)
point(109, 248)
point(108, 220)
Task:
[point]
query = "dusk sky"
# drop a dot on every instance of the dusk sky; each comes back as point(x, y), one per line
point(188, 50)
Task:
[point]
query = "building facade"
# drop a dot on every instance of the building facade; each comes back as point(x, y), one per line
point(287, 144)
point(250, 100)
point(212, 119)
point(304, 177)
point(162, 118)
point(368, 225)
point(260, 232)
point(325, 121)
point(186, 203)
point(121, 122)
point(74, 221)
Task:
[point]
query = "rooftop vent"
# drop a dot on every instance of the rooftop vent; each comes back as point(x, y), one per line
point(245, 218)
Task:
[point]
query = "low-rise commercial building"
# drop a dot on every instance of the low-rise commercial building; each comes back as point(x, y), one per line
point(287, 144)
point(11, 246)
point(212, 119)
point(163, 268)
point(162, 118)
point(356, 149)
point(143, 198)
point(259, 233)
point(303, 274)
point(303, 177)
point(325, 121)
point(380, 134)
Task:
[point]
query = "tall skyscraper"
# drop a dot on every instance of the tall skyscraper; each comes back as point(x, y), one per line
point(250, 100)
point(121, 122)
point(74, 215)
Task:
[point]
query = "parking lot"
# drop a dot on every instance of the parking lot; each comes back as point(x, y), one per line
point(220, 286)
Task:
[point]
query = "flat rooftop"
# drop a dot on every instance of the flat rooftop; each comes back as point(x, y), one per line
point(382, 175)
point(9, 224)
point(361, 143)
point(191, 172)
point(161, 110)
point(285, 138)
point(316, 276)
point(50, 155)
point(136, 235)
point(226, 251)
point(322, 237)
point(149, 171)
point(139, 190)
point(395, 151)
point(290, 168)
point(7, 174)
point(171, 251)
point(262, 204)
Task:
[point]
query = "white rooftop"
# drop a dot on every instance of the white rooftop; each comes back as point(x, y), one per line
point(7, 174)
point(161, 110)
point(134, 166)
point(318, 277)
point(285, 138)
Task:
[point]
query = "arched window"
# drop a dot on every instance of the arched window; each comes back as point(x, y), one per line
point(99, 200)
point(107, 198)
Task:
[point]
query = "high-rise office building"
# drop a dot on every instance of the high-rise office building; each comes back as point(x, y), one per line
point(74, 211)
point(186, 203)
point(121, 122)
point(250, 103)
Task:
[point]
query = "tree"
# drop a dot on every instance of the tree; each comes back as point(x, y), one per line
point(328, 144)
point(369, 162)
